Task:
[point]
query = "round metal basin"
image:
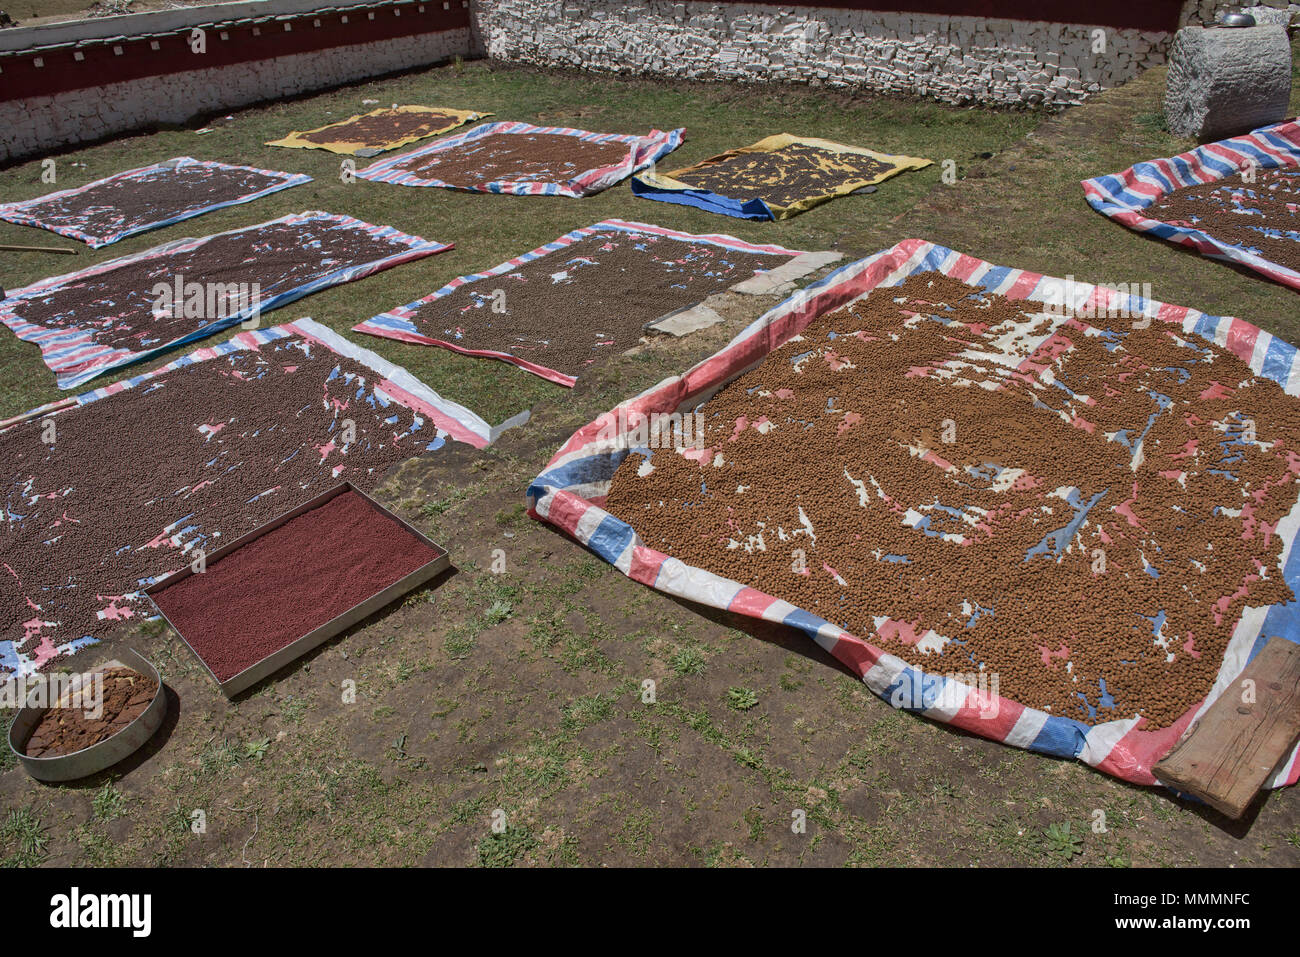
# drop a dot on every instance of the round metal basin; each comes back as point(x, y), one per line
point(97, 757)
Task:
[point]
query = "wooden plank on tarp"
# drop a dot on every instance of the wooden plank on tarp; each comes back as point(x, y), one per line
point(1230, 753)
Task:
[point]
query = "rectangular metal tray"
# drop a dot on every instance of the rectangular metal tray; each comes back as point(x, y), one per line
point(317, 636)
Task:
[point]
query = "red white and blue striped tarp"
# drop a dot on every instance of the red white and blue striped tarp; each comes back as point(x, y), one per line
point(77, 355)
point(29, 212)
point(398, 323)
point(435, 422)
point(1124, 196)
point(571, 491)
point(642, 152)
point(455, 420)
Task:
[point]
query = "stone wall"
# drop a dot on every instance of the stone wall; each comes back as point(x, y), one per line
point(953, 59)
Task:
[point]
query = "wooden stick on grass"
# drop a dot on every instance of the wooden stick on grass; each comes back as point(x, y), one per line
point(8, 248)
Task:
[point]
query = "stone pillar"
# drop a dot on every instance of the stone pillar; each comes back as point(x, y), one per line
point(1224, 81)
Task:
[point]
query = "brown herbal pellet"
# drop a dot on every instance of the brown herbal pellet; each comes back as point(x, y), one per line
point(942, 483)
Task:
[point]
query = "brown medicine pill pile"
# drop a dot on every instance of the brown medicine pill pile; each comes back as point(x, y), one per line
point(1262, 215)
point(1084, 515)
point(781, 176)
point(277, 257)
point(382, 127)
point(207, 452)
point(587, 301)
point(65, 730)
point(150, 197)
point(516, 157)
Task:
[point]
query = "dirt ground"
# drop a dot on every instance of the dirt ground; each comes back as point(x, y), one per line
point(518, 696)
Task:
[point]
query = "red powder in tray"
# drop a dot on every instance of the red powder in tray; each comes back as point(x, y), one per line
point(277, 588)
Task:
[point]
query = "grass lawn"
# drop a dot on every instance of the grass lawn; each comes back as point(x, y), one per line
point(489, 229)
point(521, 694)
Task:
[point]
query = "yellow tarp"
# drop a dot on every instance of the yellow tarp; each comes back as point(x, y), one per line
point(364, 134)
point(788, 174)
